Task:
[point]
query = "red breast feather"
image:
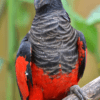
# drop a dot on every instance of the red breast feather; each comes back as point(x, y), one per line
point(48, 88)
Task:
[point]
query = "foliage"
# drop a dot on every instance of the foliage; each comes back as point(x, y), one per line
point(28, 1)
point(1, 63)
point(94, 16)
point(2, 5)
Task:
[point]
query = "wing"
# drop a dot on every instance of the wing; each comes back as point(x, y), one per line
point(23, 68)
point(82, 53)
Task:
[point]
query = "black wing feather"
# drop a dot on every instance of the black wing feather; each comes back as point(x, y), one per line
point(83, 62)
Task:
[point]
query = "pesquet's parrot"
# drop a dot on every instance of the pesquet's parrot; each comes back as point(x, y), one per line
point(52, 56)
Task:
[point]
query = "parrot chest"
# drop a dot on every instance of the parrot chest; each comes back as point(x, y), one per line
point(55, 60)
point(54, 56)
point(52, 88)
point(54, 44)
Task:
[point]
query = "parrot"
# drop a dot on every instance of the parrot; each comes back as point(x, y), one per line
point(51, 58)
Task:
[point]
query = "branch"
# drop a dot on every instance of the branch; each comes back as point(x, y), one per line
point(92, 90)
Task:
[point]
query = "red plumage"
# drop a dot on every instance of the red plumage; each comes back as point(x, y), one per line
point(44, 87)
point(21, 64)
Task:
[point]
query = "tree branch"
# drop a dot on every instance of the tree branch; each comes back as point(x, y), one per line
point(92, 90)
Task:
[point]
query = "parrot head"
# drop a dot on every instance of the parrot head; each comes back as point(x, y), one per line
point(42, 3)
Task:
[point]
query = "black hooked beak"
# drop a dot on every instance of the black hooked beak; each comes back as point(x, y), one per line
point(39, 3)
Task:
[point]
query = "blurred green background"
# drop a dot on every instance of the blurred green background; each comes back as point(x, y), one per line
point(16, 17)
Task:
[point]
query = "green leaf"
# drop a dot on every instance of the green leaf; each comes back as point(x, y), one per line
point(90, 34)
point(1, 63)
point(71, 13)
point(94, 16)
point(23, 17)
point(28, 1)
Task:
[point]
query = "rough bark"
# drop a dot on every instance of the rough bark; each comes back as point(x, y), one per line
point(92, 90)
